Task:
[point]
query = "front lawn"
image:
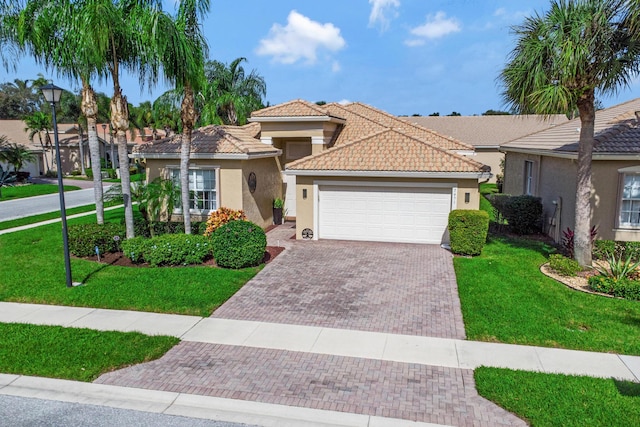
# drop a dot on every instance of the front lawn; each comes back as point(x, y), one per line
point(74, 354)
point(21, 191)
point(561, 400)
point(32, 270)
point(505, 298)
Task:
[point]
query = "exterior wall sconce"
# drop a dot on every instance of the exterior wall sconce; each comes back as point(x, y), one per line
point(304, 193)
point(467, 197)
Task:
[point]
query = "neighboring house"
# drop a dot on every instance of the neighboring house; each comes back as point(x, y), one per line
point(345, 172)
point(544, 165)
point(487, 133)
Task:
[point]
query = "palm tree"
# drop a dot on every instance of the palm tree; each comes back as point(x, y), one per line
point(37, 123)
point(231, 96)
point(61, 34)
point(560, 60)
point(16, 155)
point(182, 52)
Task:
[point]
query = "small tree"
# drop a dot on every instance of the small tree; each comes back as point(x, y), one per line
point(16, 155)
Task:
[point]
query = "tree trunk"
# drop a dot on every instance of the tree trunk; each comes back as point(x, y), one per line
point(89, 107)
point(582, 234)
point(188, 116)
point(120, 123)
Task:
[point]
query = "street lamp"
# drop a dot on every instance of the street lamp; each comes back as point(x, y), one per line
point(52, 95)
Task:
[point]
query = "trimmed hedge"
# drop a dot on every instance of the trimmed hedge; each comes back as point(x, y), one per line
point(168, 249)
point(239, 244)
point(523, 213)
point(468, 231)
point(83, 238)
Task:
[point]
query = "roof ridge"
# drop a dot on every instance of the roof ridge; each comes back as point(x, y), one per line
point(412, 124)
point(308, 104)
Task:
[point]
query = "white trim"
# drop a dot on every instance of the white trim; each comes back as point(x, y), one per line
point(630, 169)
point(570, 154)
point(454, 197)
point(466, 152)
point(320, 140)
point(297, 119)
point(266, 140)
point(389, 174)
point(316, 205)
point(215, 169)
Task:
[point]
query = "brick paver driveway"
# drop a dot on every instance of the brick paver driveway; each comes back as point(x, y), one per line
point(393, 288)
point(381, 287)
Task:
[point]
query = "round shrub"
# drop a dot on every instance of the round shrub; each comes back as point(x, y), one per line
point(564, 266)
point(239, 244)
point(135, 248)
point(83, 238)
point(468, 231)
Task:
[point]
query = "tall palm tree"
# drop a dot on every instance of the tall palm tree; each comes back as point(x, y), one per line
point(231, 95)
point(561, 59)
point(182, 51)
point(37, 124)
point(60, 34)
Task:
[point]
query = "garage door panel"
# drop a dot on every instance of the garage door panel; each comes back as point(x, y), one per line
point(394, 214)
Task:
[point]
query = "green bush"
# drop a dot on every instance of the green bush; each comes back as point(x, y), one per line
point(135, 248)
point(603, 247)
point(622, 288)
point(564, 266)
point(468, 231)
point(168, 249)
point(89, 173)
point(522, 213)
point(239, 244)
point(83, 238)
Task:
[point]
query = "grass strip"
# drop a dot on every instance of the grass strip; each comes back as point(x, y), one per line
point(5, 225)
point(22, 191)
point(72, 353)
point(505, 298)
point(195, 290)
point(561, 400)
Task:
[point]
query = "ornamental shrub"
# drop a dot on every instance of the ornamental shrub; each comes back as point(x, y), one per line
point(522, 213)
point(168, 249)
point(239, 244)
point(83, 238)
point(564, 266)
point(603, 247)
point(468, 231)
point(622, 288)
point(221, 217)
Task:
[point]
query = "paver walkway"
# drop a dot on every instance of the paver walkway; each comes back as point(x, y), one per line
point(377, 287)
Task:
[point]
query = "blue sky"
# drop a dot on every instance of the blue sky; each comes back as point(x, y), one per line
point(403, 56)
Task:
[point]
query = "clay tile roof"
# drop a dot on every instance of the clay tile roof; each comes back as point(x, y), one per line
point(617, 131)
point(388, 150)
point(295, 108)
point(363, 119)
point(488, 131)
point(211, 140)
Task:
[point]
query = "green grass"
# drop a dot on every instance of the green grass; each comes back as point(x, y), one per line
point(21, 191)
point(561, 400)
point(5, 225)
point(505, 298)
point(485, 190)
point(74, 354)
point(32, 270)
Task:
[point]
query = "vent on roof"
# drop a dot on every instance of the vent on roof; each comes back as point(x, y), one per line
point(637, 113)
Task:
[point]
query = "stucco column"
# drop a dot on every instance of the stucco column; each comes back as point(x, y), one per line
point(319, 143)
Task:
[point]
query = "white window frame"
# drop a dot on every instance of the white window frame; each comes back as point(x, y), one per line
point(529, 177)
point(192, 178)
point(625, 221)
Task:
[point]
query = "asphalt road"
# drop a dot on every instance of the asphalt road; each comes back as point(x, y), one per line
point(12, 209)
point(23, 412)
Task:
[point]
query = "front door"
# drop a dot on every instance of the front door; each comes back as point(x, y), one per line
point(289, 195)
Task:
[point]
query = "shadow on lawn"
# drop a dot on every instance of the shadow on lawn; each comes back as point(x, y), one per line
point(537, 242)
point(627, 388)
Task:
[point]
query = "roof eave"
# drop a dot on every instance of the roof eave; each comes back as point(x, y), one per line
point(209, 156)
point(571, 154)
point(389, 174)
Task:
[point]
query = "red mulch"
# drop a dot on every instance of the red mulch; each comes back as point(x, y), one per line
point(116, 258)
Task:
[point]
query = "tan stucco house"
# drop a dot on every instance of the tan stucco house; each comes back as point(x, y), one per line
point(487, 133)
point(345, 171)
point(544, 165)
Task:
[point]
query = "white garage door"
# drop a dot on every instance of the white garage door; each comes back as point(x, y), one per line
point(383, 214)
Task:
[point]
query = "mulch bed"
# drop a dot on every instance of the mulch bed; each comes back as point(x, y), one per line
point(117, 258)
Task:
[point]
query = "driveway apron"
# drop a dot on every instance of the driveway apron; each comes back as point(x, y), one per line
point(393, 288)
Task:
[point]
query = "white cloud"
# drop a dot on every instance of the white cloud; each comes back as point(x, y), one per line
point(335, 67)
point(300, 39)
point(382, 11)
point(414, 42)
point(436, 26)
point(344, 102)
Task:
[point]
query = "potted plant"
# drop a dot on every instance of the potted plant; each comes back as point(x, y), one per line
point(278, 205)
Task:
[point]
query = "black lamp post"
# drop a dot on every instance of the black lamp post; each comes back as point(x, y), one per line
point(52, 94)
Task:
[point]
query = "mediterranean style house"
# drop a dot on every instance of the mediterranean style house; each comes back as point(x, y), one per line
point(344, 171)
point(544, 165)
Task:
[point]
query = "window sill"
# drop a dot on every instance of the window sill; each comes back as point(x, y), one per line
point(627, 230)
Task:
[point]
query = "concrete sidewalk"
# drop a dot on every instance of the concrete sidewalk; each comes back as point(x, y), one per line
point(427, 351)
